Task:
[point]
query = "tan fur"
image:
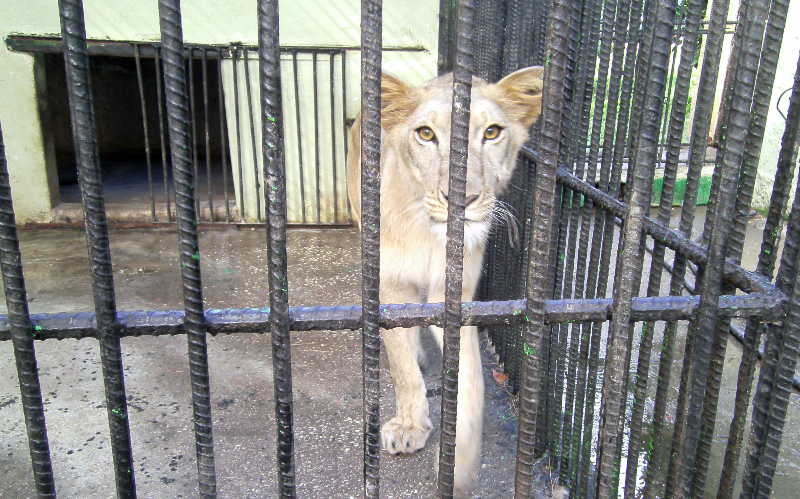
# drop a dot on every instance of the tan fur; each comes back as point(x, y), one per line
point(413, 215)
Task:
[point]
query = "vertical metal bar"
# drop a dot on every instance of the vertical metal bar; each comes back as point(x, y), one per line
point(299, 136)
point(22, 336)
point(540, 272)
point(708, 349)
point(145, 128)
point(457, 185)
point(209, 185)
point(316, 131)
point(768, 62)
point(565, 211)
point(251, 111)
point(603, 16)
point(84, 132)
point(700, 128)
point(275, 177)
point(772, 393)
point(491, 18)
point(235, 63)
point(344, 138)
point(693, 14)
point(620, 82)
point(371, 43)
point(193, 121)
point(223, 135)
point(590, 29)
point(194, 320)
point(761, 95)
point(333, 140)
point(165, 164)
point(447, 28)
point(655, 54)
point(519, 24)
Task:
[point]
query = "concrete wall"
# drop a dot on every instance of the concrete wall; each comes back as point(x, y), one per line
point(307, 22)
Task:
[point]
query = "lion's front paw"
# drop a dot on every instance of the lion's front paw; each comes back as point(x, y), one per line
point(399, 436)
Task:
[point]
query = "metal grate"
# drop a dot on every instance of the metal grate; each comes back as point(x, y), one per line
point(571, 332)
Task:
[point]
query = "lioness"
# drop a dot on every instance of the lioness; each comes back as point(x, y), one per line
point(415, 151)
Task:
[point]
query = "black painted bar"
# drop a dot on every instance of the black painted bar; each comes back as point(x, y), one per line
point(185, 202)
point(84, 132)
point(371, 42)
point(23, 335)
point(145, 129)
point(652, 63)
point(275, 186)
point(540, 277)
point(780, 353)
point(248, 87)
point(456, 194)
point(165, 164)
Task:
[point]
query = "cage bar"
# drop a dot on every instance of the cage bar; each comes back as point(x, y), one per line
point(207, 134)
point(145, 130)
point(768, 61)
point(575, 267)
point(185, 203)
point(456, 195)
point(223, 137)
point(193, 124)
point(251, 119)
point(701, 127)
point(299, 137)
point(316, 131)
point(507, 312)
point(275, 178)
point(85, 138)
point(165, 165)
point(760, 96)
point(237, 126)
point(371, 43)
point(706, 369)
point(772, 391)
point(692, 15)
point(540, 276)
point(22, 336)
point(654, 57)
point(334, 172)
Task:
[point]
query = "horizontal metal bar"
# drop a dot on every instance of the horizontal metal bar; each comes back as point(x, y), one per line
point(256, 320)
point(116, 48)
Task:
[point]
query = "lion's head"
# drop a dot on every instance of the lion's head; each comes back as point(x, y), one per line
point(416, 146)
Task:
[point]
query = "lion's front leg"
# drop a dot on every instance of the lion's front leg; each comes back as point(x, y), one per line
point(409, 429)
point(469, 419)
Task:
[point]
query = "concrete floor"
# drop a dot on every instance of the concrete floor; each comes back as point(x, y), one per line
point(324, 269)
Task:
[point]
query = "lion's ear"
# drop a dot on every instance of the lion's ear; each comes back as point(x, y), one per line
point(520, 94)
point(398, 101)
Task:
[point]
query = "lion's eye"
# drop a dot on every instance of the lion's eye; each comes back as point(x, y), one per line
point(425, 133)
point(492, 132)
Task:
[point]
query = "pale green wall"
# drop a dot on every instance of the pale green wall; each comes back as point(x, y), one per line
point(407, 23)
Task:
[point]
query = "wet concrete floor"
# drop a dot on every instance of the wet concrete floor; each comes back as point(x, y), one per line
point(324, 269)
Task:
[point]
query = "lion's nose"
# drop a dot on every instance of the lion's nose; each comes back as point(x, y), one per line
point(468, 201)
